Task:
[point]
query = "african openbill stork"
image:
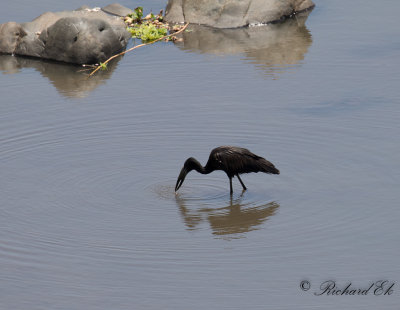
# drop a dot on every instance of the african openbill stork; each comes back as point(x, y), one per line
point(231, 159)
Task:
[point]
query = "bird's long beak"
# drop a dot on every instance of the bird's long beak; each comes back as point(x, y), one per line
point(181, 178)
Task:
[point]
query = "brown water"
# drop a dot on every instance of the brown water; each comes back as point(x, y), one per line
point(88, 214)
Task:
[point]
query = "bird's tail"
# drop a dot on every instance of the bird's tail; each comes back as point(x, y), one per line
point(268, 167)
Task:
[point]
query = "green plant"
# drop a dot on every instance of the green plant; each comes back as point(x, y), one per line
point(147, 32)
point(137, 15)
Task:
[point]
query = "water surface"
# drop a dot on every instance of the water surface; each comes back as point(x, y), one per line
point(88, 214)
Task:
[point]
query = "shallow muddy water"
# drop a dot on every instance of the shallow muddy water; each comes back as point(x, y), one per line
point(88, 214)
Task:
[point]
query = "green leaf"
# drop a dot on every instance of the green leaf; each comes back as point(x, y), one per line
point(137, 14)
point(103, 66)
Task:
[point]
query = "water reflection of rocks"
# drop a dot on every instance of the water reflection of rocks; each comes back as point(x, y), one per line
point(68, 79)
point(232, 220)
point(270, 47)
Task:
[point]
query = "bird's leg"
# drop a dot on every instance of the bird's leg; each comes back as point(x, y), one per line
point(230, 184)
point(241, 182)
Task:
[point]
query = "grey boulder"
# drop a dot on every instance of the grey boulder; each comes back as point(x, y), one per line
point(233, 13)
point(83, 36)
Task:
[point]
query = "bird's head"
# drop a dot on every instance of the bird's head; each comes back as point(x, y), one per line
point(188, 166)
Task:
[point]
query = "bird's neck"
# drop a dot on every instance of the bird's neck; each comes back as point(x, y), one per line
point(199, 168)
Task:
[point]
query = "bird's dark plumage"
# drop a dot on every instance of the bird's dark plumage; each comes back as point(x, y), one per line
point(231, 159)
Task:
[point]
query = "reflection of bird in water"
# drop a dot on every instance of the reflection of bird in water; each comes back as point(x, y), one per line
point(241, 219)
point(231, 159)
point(236, 218)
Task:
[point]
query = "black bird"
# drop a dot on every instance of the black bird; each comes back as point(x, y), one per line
point(231, 159)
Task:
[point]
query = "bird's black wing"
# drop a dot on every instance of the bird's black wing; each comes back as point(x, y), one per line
point(235, 160)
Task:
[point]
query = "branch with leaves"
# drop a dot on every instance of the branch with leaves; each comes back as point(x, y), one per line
point(103, 65)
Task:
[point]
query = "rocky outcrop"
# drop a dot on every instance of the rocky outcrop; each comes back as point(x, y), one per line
point(233, 13)
point(83, 36)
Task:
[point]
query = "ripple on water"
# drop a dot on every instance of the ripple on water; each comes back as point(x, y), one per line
point(207, 201)
point(74, 182)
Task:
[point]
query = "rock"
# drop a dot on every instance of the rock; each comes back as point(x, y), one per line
point(116, 9)
point(233, 13)
point(81, 36)
point(10, 33)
